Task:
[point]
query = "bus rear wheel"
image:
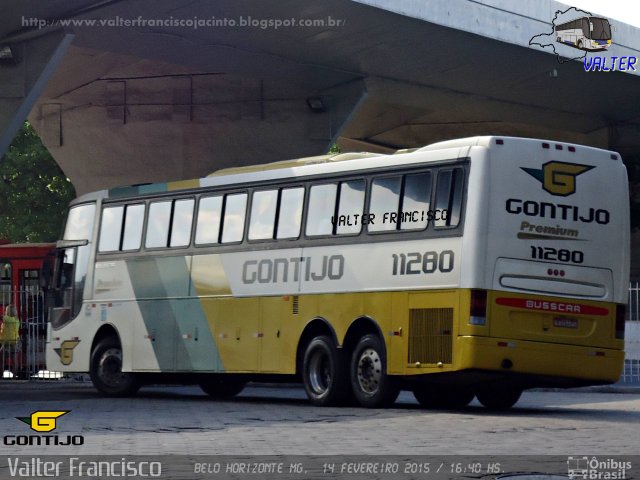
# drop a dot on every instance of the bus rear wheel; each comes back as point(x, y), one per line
point(223, 388)
point(439, 396)
point(324, 373)
point(498, 397)
point(372, 386)
point(106, 370)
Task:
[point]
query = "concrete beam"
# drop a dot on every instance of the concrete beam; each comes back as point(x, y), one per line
point(23, 82)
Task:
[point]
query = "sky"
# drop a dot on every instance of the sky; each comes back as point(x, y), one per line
point(627, 11)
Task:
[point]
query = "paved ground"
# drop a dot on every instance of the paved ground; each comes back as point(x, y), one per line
point(279, 421)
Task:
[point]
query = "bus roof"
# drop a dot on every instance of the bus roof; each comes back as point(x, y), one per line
point(298, 162)
point(318, 165)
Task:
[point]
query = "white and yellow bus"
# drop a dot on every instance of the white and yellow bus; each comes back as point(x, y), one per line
point(585, 33)
point(474, 267)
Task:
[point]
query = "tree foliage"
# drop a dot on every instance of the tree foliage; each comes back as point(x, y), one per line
point(34, 192)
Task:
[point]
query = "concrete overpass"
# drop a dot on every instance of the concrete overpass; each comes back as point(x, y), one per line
point(118, 104)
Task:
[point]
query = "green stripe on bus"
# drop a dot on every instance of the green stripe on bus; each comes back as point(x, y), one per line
point(183, 339)
point(136, 190)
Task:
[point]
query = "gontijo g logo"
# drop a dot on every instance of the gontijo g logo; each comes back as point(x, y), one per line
point(558, 178)
point(43, 421)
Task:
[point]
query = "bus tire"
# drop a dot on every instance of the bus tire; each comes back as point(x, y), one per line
point(433, 396)
point(223, 388)
point(580, 44)
point(498, 397)
point(106, 370)
point(324, 373)
point(372, 386)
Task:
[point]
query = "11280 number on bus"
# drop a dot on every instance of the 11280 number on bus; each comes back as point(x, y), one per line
point(414, 263)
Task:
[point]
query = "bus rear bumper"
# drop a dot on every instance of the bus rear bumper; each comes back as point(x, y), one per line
point(577, 364)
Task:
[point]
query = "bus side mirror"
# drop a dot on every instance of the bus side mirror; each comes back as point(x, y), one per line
point(44, 280)
point(47, 272)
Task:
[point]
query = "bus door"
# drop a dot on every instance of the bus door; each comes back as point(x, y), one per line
point(68, 281)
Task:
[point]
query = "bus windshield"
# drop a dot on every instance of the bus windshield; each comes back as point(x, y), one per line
point(601, 29)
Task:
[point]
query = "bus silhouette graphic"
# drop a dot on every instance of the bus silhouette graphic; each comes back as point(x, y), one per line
point(585, 33)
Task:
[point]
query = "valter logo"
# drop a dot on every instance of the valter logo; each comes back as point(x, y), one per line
point(558, 178)
point(43, 421)
point(580, 35)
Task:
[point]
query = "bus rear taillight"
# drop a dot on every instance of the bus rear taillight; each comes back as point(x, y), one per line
point(620, 309)
point(478, 309)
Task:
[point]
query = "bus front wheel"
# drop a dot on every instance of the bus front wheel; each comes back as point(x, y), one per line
point(498, 397)
point(324, 374)
point(106, 370)
point(371, 384)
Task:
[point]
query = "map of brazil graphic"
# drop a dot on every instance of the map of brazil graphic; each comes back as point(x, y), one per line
point(564, 52)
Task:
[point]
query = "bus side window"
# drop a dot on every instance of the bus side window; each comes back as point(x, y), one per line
point(181, 224)
point(290, 212)
point(384, 204)
point(449, 196)
point(110, 229)
point(234, 213)
point(322, 206)
point(208, 222)
point(158, 225)
point(263, 215)
point(133, 222)
point(351, 207)
point(416, 201)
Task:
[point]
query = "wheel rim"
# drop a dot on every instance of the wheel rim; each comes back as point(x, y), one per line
point(369, 371)
point(110, 367)
point(319, 372)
